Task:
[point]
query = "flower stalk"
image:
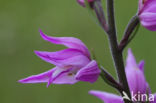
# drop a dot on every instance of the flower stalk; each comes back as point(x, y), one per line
point(116, 53)
point(110, 80)
point(131, 27)
point(97, 7)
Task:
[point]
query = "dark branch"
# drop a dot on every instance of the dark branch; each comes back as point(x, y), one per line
point(110, 80)
point(132, 25)
point(97, 7)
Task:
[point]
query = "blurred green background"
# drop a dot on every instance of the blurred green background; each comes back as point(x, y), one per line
point(20, 21)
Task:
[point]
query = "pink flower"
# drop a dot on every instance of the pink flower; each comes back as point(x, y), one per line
point(136, 80)
point(147, 14)
point(71, 65)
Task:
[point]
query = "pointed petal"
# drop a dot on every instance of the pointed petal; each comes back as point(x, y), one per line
point(130, 62)
point(141, 65)
point(63, 58)
point(89, 73)
point(135, 76)
point(107, 97)
point(40, 78)
point(69, 42)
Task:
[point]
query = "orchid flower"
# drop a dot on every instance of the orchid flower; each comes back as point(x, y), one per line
point(136, 80)
point(71, 65)
point(147, 14)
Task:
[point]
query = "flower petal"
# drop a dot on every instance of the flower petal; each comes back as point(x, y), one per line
point(40, 78)
point(107, 97)
point(148, 20)
point(147, 15)
point(135, 76)
point(131, 62)
point(136, 81)
point(63, 58)
point(149, 6)
point(89, 73)
point(69, 42)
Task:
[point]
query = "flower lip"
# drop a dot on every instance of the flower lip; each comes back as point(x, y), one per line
point(57, 76)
